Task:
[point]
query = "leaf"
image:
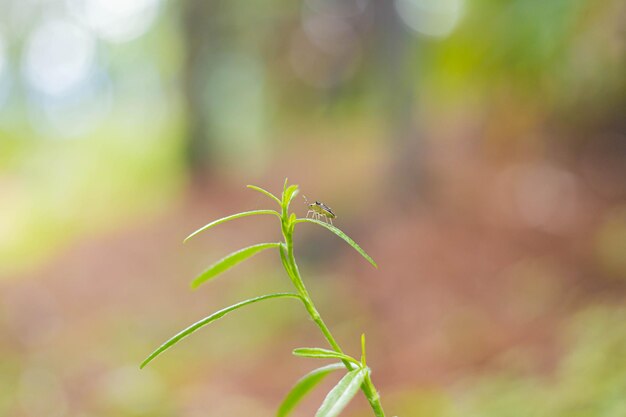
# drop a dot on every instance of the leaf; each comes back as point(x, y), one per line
point(323, 354)
point(342, 393)
point(267, 193)
point(290, 193)
point(218, 314)
point(287, 266)
point(342, 235)
point(232, 217)
point(363, 355)
point(304, 386)
point(229, 261)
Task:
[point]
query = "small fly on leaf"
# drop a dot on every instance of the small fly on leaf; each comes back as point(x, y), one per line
point(320, 210)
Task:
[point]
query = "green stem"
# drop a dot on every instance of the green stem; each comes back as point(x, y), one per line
point(289, 262)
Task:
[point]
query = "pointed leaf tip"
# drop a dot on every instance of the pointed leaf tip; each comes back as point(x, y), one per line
point(265, 192)
point(342, 235)
point(304, 386)
point(229, 261)
point(289, 194)
point(228, 218)
point(339, 397)
point(217, 315)
point(363, 354)
point(324, 354)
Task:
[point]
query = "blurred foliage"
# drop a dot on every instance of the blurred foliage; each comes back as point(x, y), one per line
point(589, 381)
point(114, 142)
point(610, 242)
point(55, 191)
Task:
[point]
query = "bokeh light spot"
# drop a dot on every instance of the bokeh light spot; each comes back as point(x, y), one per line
point(5, 81)
point(437, 18)
point(116, 20)
point(59, 57)
point(3, 58)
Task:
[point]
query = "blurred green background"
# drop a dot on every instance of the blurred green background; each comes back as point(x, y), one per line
point(475, 148)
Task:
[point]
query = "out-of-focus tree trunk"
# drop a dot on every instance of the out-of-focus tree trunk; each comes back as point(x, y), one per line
point(200, 38)
point(395, 48)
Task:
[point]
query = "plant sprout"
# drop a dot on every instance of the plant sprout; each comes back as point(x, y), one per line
point(357, 376)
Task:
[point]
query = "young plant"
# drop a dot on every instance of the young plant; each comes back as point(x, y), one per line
point(358, 374)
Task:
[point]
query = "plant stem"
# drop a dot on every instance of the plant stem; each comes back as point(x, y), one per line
point(289, 262)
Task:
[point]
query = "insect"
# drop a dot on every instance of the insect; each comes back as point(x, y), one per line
point(320, 210)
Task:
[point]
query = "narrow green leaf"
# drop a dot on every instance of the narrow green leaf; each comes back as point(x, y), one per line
point(290, 193)
point(267, 193)
point(324, 354)
point(286, 265)
point(339, 397)
point(342, 235)
point(218, 314)
point(232, 217)
point(229, 261)
point(304, 386)
point(363, 355)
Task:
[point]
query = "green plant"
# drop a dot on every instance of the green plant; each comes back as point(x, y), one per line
point(358, 373)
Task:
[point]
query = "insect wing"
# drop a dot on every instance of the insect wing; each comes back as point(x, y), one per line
point(327, 211)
